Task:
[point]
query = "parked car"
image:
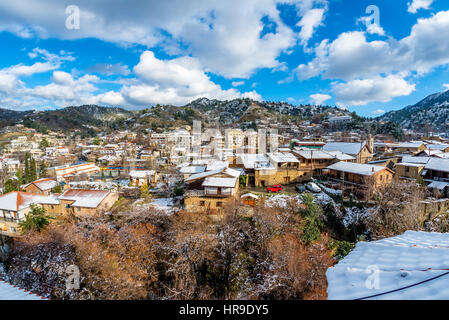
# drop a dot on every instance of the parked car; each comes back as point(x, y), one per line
point(301, 188)
point(312, 186)
point(275, 188)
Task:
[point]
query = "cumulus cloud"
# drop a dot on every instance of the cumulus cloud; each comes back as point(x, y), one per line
point(352, 58)
point(319, 98)
point(446, 86)
point(371, 28)
point(364, 91)
point(226, 36)
point(415, 5)
point(309, 22)
point(177, 81)
point(238, 83)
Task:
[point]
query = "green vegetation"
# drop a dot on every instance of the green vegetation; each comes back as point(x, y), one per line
point(35, 220)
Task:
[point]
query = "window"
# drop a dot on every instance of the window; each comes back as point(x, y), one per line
point(202, 203)
point(219, 204)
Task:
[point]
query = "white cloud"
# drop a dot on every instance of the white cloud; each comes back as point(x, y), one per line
point(415, 5)
point(319, 98)
point(309, 22)
point(238, 83)
point(177, 81)
point(378, 112)
point(361, 92)
point(371, 28)
point(446, 86)
point(351, 57)
point(224, 35)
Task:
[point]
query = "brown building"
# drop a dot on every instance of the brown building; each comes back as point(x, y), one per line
point(211, 190)
point(359, 175)
point(86, 202)
point(41, 186)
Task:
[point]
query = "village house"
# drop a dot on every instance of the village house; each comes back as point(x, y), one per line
point(15, 205)
point(411, 147)
point(41, 186)
point(86, 202)
point(358, 175)
point(142, 178)
point(210, 190)
point(411, 167)
point(282, 168)
point(65, 171)
point(362, 151)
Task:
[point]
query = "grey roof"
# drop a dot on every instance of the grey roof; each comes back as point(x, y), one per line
point(352, 148)
point(356, 168)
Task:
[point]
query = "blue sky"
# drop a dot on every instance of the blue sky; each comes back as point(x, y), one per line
point(136, 54)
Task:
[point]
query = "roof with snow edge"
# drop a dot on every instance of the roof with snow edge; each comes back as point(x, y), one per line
point(141, 173)
point(279, 157)
point(44, 184)
point(356, 168)
point(11, 292)
point(84, 198)
point(18, 200)
point(401, 261)
point(351, 148)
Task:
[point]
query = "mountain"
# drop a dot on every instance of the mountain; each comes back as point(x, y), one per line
point(431, 113)
point(245, 113)
point(84, 118)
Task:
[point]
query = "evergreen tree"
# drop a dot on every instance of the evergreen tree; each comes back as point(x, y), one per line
point(11, 185)
point(35, 220)
point(33, 170)
point(43, 169)
point(27, 168)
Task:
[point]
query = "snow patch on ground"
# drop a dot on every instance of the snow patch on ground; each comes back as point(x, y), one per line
point(281, 201)
point(354, 215)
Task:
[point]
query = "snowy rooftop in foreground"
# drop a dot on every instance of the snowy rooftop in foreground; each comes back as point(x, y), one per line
point(10, 292)
point(403, 263)
point(356, 168)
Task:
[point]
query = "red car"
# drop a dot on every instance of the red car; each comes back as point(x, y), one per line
point(275, 188)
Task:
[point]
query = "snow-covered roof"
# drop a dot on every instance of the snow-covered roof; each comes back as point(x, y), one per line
point(438, 164)
point(17, 200)
point(280, 157)
point(314, 154)
point(420, 160)
point(192, 169)
point(45, 184)
point(205, 174)
point(10, 292)
point(352, 148)
point(84, 198)
point(249, 195)
point(356, 168)
point(410, 144)
point(219, 182)
point(411, 266)
point(341, 156)
point(141, 174)
point(214, 165)
point(249, 160)
point(440, 185)
point(437, 146)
